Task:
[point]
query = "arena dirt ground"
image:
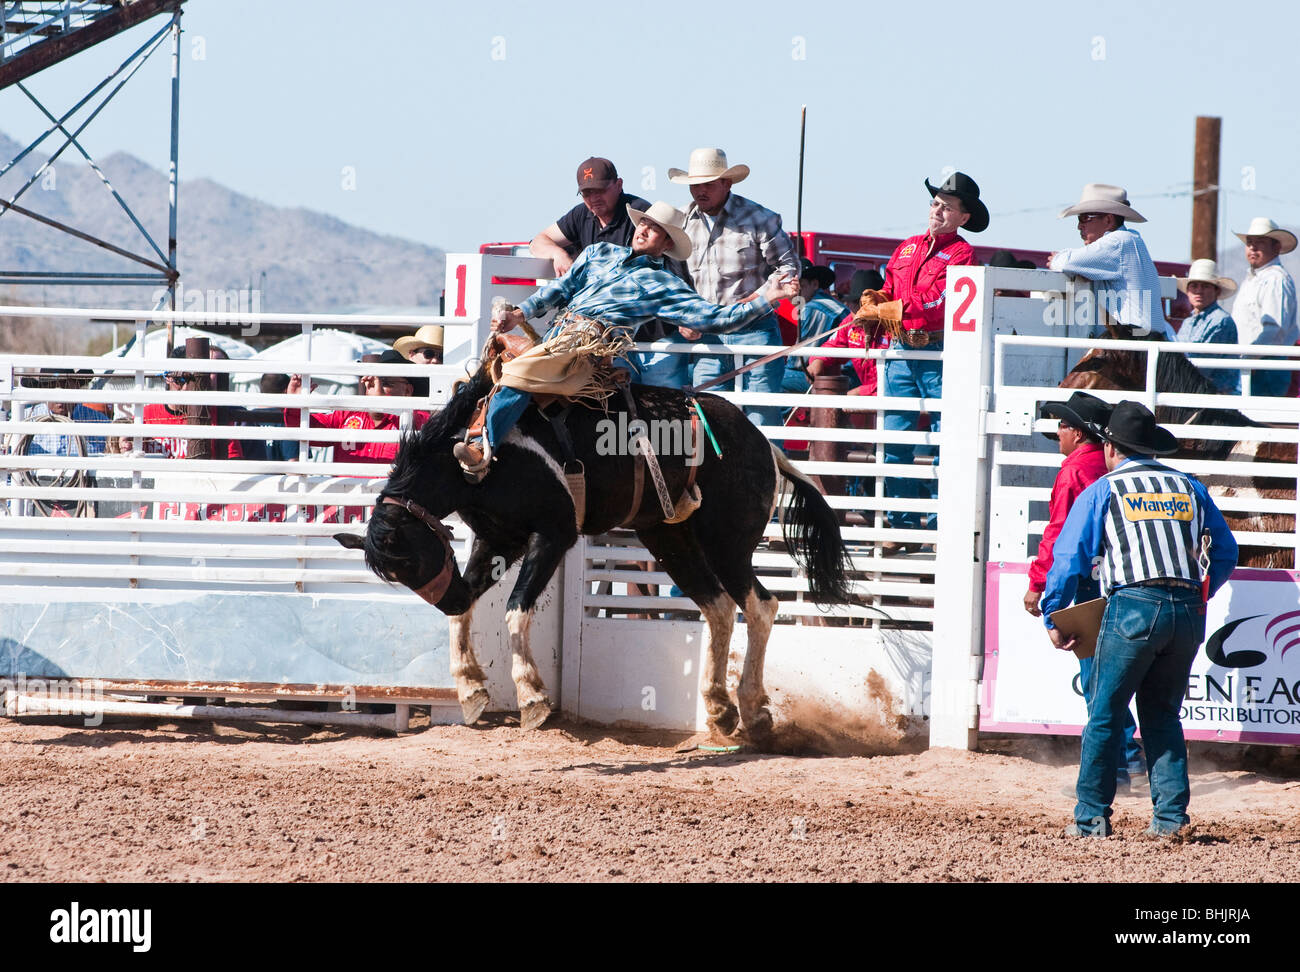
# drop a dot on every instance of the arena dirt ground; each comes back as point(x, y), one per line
point(137, 800)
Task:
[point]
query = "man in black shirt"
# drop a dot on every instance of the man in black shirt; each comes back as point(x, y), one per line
point(601, 217)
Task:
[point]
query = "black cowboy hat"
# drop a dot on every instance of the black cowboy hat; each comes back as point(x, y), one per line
point(962, 186)
point(1005, 258)
point(1133, 428)
point(860, 281)
point(1083, 411)
point(824, 277)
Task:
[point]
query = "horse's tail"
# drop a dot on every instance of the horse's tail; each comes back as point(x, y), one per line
point(812, 531)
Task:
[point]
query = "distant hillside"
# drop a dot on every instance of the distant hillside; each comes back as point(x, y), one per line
point(312, 262)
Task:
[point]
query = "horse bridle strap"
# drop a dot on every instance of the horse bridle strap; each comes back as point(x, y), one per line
point(437, 587)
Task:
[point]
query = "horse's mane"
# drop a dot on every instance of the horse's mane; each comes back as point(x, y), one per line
point(437, 434)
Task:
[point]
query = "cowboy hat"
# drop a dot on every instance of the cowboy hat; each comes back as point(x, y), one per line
point(1206, 271)
point(824, 277)
point(429, 336)
point(860, 281)
point(673, 221)
point(1263, 226)
point(1097, 197)
point(1083, 411)
point(1133, 428)
point(707, 164)
point(962, 186)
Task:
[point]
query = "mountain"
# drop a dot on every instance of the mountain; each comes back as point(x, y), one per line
point(312, 262)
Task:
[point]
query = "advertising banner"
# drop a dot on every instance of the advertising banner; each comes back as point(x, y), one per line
point(1244, 684)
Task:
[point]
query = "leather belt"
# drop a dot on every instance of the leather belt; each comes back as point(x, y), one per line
point(919, 338)
point(1169, 582)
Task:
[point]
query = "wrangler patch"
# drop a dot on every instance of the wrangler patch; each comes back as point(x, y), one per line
point(907, 250)
point(1156, 506)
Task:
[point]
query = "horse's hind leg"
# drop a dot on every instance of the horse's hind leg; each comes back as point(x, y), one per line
point(679, 553)
point(542, 557)
point(759, 608)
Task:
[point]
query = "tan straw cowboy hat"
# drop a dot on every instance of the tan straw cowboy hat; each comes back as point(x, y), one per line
point(1097, 197)
point(429, 336)
point(671, 219)
point(707, 164)
point(1207, 271)
point(1263, 226)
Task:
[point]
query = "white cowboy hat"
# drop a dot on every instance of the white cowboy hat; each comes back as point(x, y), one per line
point(1207, 271)
point(707, 164)
point(1097, 197)
point(429, 336)
point(1263, 226)
point(671, 219)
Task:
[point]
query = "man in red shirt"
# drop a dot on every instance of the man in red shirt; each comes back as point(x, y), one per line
point(1084, 464)
point(917, 274)
point(361, 420)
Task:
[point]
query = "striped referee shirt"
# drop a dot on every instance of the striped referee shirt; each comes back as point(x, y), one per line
point(1142, 521)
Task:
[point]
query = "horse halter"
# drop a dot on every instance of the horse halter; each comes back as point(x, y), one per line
point(434, 590)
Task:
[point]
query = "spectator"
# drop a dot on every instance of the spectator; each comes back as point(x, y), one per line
point(1264, 310)
point(917, 274)
point(51, 444)
point(1007, 259)
point(1209, 323)
point(601, 217)
point(816, 311)
point(860, 334)
point(1115, 256)
point(1079, 440)
point(159, 413)
point(422, 347)
point(121, 444)
point(361, 419)
point(738, 247)
point(268, 450)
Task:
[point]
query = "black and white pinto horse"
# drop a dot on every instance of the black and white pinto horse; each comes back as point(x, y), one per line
point(524, 510)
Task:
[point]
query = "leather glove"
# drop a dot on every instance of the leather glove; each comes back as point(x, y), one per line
point(870, 298)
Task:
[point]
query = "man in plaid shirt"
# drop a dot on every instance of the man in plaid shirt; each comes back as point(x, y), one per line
point(738, 248)
point(621, 287)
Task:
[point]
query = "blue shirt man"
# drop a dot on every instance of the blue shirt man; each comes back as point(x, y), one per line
point(1146, 525)
point(622, 287)
point(1213, 326)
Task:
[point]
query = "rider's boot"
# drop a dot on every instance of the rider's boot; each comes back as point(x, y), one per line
point(474, 456)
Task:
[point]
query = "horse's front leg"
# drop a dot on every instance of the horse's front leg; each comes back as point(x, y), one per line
point(541, 558)
point(484, 569)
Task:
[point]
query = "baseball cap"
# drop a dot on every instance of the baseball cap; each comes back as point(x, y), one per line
point(596, 173)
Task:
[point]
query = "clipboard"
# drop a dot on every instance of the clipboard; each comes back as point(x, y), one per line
point(1082, 622)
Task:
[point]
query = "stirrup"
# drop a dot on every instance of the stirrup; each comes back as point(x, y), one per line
point(474, 459)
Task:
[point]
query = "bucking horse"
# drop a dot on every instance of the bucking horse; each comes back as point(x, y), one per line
point(525, 510)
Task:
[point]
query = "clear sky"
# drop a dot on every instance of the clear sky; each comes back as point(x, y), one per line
point(463, 123)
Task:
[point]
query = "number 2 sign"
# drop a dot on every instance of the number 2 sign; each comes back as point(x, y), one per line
point(960, 322)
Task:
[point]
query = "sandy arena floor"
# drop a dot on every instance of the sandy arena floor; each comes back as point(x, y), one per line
point(139, 800)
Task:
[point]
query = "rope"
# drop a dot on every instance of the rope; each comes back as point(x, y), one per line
point(67, 479)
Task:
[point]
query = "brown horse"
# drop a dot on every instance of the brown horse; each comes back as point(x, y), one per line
point(1123, 370)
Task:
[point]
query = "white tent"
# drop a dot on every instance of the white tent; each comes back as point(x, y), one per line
point(155, 343)
point(327, 345)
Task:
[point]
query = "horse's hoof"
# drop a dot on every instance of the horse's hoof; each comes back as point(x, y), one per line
point(726, 722)
point(472, 706)
point(534, 714)
point(759, 728)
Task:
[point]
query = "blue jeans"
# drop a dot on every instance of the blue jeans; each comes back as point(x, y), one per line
point(1148, 640)
point(909, 379)
point(1270, 382)
point(765, 378)
point(664, 368)
point(504, 410)
point(1131, 763)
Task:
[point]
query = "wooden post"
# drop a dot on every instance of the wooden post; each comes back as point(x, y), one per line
point(1205, 190)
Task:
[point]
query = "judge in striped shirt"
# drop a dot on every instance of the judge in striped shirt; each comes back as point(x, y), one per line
point(1147, 523)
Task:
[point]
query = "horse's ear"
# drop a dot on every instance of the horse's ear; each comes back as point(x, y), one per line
point(351, 540)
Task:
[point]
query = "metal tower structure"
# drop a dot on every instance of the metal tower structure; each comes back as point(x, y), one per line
point(36, 35)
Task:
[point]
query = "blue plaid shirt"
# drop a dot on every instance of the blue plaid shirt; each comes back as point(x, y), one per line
point(610, 284)
point(1213, 326)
